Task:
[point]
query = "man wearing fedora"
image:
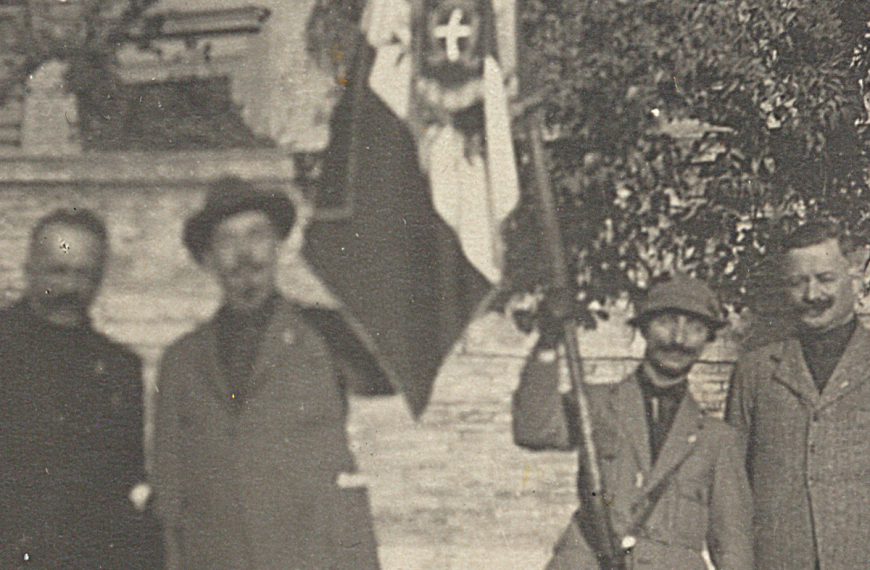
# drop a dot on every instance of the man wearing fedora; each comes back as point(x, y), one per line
point(252, 457)
point(675, 479)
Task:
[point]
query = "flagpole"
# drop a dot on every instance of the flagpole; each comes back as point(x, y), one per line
point(606, 543)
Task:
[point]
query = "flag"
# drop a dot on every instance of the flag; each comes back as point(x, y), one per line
point(417, 178)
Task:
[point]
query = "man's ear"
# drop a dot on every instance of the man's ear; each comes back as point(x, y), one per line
point(858, 261)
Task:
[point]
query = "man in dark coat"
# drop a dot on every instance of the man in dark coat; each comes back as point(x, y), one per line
point(804, 406)
point(253, 466)
point(675, 479)
point(71, 457)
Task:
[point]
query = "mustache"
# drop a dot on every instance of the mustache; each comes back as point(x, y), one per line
point(820, 305)
point(676, 347)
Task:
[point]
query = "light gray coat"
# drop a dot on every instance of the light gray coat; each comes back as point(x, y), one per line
point(706, 499)
point(808, 455)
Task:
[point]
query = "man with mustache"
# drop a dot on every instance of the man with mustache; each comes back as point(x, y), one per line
point(72, 491)
point(804, 406)
point(253, 468)
point(674, 478)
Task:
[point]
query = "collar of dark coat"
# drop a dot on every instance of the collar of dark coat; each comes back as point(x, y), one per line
point(851, 372)
point(282, 329)
point(39, 325)
point(682, 437)
point(346, 345)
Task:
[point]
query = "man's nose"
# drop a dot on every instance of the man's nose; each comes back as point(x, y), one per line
point(679, 330)
point(813, 290)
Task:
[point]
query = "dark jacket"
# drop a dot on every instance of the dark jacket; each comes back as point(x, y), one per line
point(705, 498)
point(256, 486)
point(808, 455)
point(71, 449)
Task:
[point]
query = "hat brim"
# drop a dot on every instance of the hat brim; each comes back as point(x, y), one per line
point(199, 227)
point(642, 319)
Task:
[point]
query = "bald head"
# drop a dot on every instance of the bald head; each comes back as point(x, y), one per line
point(65, 266)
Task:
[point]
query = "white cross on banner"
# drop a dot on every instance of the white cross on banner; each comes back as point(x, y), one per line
point(451, 33)
point(474, 185)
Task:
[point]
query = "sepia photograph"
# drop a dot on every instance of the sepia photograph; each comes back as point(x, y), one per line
point(434, 284)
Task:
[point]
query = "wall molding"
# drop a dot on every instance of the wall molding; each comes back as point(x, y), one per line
point(135, 169)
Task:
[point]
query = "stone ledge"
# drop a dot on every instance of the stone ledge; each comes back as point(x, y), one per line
point(137, 169)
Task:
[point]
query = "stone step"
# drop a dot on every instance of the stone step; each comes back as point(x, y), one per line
point(12, 113)
point(10, 135)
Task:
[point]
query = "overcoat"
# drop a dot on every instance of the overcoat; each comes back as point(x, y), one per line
point(71, 449)
point(704, 498)
point(256, 488)
point(808, 455)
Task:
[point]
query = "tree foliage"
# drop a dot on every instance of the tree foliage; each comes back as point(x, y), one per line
point(684, 134)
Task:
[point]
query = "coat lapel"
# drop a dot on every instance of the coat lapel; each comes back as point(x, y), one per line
point(632, 419)
point(214, 372)
point(794, 374)
point(681, 440)
point(281, 332)
point(852, 370)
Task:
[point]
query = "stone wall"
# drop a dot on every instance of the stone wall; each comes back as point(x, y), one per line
point(450, 491)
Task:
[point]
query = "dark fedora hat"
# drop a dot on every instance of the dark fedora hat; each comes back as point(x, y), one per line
point(681, 294)
point(229, 196)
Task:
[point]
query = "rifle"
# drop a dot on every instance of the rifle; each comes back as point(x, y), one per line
point(598, 525)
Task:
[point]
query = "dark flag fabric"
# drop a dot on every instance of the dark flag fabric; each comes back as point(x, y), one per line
point(393, 262)
point(417, 179)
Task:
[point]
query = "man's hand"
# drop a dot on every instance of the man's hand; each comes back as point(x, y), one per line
point(557, 307)
point(139, 495)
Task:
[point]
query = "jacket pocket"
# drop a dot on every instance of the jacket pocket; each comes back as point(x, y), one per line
point(689, 518)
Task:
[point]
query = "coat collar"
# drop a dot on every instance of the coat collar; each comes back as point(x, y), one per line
point(850, 373)
point(793, 373)
point(281, 331)
point(681, 440)
point(632, 418)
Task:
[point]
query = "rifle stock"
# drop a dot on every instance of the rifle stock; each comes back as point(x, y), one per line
point(597, 524)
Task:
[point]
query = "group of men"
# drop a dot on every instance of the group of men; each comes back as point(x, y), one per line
point(782, 484)
point(252, 465)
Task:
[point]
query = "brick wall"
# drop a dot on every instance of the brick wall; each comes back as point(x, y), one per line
point(450, 491)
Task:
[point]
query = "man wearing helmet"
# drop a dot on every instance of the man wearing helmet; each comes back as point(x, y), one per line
point(674, 478)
